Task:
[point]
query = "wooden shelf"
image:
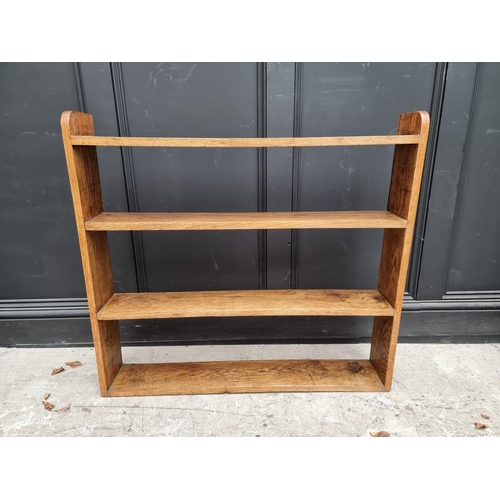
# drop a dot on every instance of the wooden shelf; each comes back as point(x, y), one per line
point(125, 221)
point(246, 376)
point(250, 142)
point(106, 308)
point(245, 303)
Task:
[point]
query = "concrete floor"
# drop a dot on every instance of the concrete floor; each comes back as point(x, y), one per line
point(438, 390)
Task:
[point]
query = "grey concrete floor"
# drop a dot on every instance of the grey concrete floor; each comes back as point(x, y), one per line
point(438, 390)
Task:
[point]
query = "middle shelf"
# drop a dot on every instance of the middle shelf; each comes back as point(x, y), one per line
point(141, 221)
point(122, 306)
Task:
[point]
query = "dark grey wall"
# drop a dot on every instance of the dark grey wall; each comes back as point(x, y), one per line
point(350, 99)
point(195, 100)
point(478, 220)
point(38, 246)
point(453, 289)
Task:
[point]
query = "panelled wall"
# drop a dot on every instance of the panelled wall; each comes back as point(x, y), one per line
point(453, 288)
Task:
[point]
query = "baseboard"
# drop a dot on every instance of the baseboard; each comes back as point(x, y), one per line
point(449, 326)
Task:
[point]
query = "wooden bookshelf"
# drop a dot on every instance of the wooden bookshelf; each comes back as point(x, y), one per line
point(107, 307)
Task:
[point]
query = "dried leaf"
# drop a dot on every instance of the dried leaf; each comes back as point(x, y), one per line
point(46, 396)
point(380, 434)
point(55, 371)
point(485, 416)
point(73, 364)
point(47, 405)
point(479, 425)
point(64, 408)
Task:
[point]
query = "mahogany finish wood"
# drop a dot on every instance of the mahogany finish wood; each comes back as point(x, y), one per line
point(106, 307)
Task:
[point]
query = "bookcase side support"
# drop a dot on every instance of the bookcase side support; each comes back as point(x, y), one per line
point(85, 186)
point(406, 178)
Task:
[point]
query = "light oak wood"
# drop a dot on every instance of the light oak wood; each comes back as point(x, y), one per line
point(406, 179)
point(125, 221)
point(245, 303)
point(106, 308)
point(85, 186)
point(257, 142)
point(245, 376)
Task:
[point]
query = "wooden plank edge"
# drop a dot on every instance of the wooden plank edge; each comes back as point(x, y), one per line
point(220, 221)
point(156, 305)
point(250, 142)
point(361, 377)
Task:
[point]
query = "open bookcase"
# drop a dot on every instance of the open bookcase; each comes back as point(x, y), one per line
point(107, 307)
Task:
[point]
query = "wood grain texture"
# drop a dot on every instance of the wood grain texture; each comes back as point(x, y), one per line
point(246, 376)
point(392, 256)
point(383, 328)
point(257, 142)
point(408, 164)
point(124, 221)
point(85, 186)
point(106, 308)
point(245, 303)
point(404, 192)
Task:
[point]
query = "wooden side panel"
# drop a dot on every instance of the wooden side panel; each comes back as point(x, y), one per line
point(392, 262)
point(87, 199)
point(380, 354)
point(403, 200)
point(407, 166)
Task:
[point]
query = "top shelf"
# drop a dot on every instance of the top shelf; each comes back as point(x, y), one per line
point(257, 142)
point(127, 221)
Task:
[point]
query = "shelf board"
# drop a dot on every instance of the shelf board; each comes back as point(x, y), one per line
point(245, 376)
point(136, 221)
point(123, 306)
point(246, 142)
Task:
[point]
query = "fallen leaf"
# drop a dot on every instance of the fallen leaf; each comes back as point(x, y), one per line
point(479, 425)
point(485, 416)
point(64, 408)
point(47, 405)
point(380, 434)
point(55, 371)
point(46, 396)
point(73, 364)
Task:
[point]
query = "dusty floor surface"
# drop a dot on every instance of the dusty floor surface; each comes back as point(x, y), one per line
point(438, 390)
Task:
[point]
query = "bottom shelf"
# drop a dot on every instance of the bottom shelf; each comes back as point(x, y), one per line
point(246, 376)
